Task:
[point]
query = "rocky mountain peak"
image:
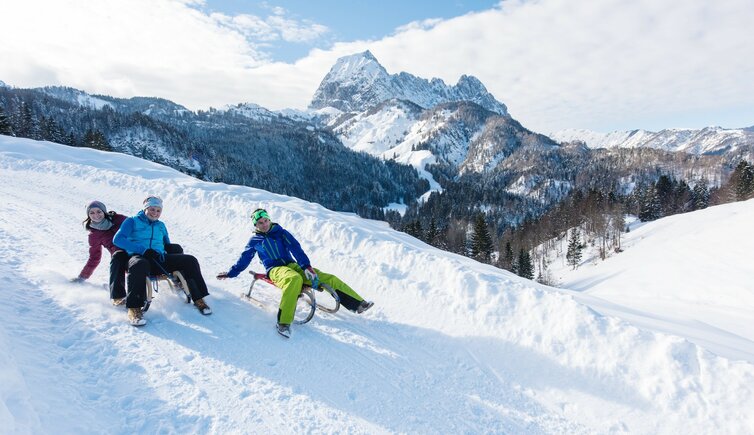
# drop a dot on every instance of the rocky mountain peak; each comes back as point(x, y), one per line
point(358, 82)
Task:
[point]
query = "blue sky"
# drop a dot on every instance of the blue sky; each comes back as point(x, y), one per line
point(346, 20)
point(602, 65)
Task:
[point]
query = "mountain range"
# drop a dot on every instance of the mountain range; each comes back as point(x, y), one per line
point(708, 140)
point(371, 139)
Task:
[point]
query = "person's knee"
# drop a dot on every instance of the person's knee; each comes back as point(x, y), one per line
point(296, 280)
point(138, 266)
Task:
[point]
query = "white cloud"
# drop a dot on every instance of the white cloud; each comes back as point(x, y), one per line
point(601, 64)
point(273, 28)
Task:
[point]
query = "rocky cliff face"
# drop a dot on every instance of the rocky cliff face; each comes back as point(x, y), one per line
point(358, 83)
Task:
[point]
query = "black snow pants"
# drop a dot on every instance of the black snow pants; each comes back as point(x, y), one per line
point(139, 268)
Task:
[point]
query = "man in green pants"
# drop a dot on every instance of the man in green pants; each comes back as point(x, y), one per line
point(277, 249)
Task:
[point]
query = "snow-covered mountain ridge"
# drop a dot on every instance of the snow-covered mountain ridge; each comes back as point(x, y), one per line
point(708, 140)
point(358, 82)
point(451, 346)
point(412, 120)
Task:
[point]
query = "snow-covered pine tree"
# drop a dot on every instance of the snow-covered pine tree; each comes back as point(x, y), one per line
point(700, 195)
point(742, 181)
point(481, 241)
point(573, 254)
point(432, 233)
point(507, 259)
point(5, 127)
point(649, 207)
point(524, 267)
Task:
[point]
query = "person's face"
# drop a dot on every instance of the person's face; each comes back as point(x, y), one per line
point(153, 213)
point(96, 215)
point(263, 224)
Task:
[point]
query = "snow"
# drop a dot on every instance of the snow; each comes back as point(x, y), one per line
point(706, 140)
point(689, 275)
point(85, 100)
point(451, 346)
point(250, 110)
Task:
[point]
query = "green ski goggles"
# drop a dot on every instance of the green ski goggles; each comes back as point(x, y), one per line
point(258, 214)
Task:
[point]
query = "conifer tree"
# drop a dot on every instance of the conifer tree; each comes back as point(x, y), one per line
point(573, 254)
point(95, 139)
point(432, 233)
point(700, 196)
point(650, 205)
point(481, 241)
point(25, 122)
point(524, 267)
point(5, 127)
point(506, 260)
point(742, 181)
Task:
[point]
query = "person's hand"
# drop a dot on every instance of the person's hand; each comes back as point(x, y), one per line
point(222, 275)
point(77, 280)
point(151, 254)
point(311, 275)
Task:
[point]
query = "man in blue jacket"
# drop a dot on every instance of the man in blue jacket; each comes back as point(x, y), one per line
point(277, 249)
point(145, 238)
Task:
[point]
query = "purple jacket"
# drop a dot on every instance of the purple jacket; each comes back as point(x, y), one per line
point(98, 239)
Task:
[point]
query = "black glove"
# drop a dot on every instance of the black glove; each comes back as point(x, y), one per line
point(151, 254)
point(222, 275)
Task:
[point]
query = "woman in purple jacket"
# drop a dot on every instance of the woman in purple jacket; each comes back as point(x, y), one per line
point(102, 227)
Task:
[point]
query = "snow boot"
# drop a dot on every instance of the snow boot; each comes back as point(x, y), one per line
point(118, 301)
point(284, 330)
point(363, 306)
point(203, 307)
point(135, 317)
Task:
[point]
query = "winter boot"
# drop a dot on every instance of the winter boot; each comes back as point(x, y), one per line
point(363, 306)
point(118, 301)
point(136, 317)
point(284, 330)
point(203, 307)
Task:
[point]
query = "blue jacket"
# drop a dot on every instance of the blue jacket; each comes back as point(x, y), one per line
point(138, 233)
point(274, 247)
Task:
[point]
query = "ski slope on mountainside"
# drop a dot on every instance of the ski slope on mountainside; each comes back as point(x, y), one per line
point(689, 275)
point(451, 346)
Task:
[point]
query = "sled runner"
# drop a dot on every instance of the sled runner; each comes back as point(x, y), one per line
point(176, 282)
point(307, 303)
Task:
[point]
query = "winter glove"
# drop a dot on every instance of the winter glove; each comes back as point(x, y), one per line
point(311, 275)
point(222, 275)
point(77, 280)
point(151, 254)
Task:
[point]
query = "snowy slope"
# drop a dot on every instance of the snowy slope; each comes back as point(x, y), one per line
point(452, 346)
point(688, 274)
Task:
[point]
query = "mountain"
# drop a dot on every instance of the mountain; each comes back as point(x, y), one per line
point(451, 346)
point(358, 82)
point(242, 144)
point(481, 160)
point(150, 106)
point(708, 140)
point(401, 117)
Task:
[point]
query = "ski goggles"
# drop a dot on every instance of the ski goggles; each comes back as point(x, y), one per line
point(258, 214)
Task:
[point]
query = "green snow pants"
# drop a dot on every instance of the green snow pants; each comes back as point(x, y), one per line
point(290, 278)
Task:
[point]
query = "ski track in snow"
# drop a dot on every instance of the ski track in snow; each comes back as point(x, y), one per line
point(459, 348)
